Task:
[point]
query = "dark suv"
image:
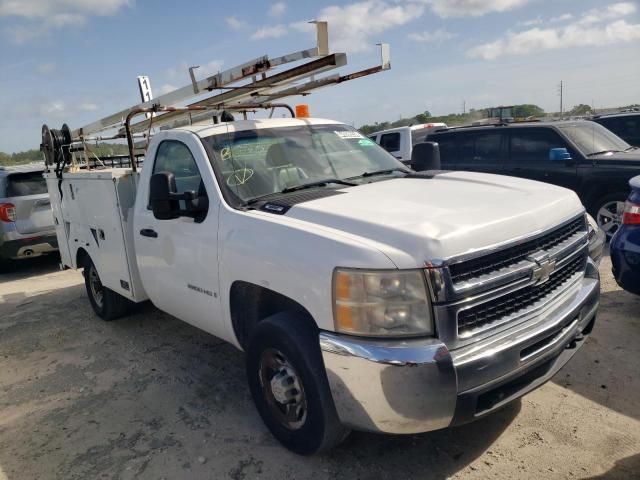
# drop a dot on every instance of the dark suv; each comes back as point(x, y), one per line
point(583, 156)
point(625, 125)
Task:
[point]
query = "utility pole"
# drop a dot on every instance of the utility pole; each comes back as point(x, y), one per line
point(561, 92)
point(464, 107)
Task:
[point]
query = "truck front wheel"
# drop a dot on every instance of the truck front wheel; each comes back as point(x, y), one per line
point(289, 385)
point(107, 304)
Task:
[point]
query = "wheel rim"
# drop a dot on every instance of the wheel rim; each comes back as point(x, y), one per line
point(609, 217)
point(282, 389)
point(97, 290)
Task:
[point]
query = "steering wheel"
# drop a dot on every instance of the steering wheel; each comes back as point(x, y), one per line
point(239, 177)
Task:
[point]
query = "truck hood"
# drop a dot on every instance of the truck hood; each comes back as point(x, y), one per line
point(630, 158)
point(413, 220)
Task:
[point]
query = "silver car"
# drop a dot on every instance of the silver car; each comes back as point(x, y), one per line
point(26, 220)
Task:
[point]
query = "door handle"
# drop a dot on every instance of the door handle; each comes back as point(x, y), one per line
point(149, 232)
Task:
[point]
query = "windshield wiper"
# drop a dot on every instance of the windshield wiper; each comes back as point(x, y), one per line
point(317, 183)
point(603, 151)
point(381, 172)
point(295, 188)
point(631, 148)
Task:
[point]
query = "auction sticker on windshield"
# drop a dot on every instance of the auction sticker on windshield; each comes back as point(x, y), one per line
point(348, 134)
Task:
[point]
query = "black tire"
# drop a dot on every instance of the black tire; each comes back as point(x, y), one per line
point(107, 304)
point(296, 338)
point(610, 226)
point(7, 265)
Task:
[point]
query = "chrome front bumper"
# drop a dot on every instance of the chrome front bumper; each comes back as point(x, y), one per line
point(418, 385)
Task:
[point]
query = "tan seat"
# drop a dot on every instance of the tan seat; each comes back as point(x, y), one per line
point(285, 173)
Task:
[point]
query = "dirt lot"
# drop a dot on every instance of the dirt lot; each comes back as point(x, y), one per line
point(151, 397)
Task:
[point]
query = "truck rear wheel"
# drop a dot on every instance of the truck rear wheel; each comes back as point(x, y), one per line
point(107, 304)
point(289, 385)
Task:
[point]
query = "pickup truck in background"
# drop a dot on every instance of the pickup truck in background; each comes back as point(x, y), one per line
point(626, 125)
point(364, 294)
point(26, 222)
point(400, 141)
point(580, 155)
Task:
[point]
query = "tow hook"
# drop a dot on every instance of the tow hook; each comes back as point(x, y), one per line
point(572, 344)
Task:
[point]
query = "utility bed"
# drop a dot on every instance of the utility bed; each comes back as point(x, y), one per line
point(95, 211)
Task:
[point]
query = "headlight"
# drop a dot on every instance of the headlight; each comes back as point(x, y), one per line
point(381, 303)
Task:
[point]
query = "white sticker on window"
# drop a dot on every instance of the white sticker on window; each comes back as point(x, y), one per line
point(348, 134)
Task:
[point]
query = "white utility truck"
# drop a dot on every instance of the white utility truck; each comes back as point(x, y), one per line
point(400, 141)
point(366, 295)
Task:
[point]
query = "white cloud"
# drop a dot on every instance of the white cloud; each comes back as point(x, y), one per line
point(572, 35)
point(531, 23)
point(54, 108)
point(437, 36)
point(235, 23)
point(40, 17)
point(474, 8)
point(615, 10)
point(47, 8)
point(277, 9)
point(561, 18)
point(275, 31)
point(352, 26)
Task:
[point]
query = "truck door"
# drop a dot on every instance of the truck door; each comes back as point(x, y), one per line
point(529, 157)
point(177, 258)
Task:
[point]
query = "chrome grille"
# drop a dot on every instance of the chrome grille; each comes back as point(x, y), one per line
point(485, 314)
point(470, 269)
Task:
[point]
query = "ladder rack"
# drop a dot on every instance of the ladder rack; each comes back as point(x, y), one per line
point(246, 87)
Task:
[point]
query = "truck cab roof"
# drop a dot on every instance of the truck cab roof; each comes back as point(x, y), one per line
point(206, 130)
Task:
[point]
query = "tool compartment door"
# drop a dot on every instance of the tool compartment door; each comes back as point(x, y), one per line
point(91, 220)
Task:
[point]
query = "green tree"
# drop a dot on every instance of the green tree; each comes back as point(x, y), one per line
point(527, 110)
point(580, 109)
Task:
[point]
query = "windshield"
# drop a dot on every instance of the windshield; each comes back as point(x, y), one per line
point(591, 137)
point(254, 163)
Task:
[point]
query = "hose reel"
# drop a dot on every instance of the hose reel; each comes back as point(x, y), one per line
point(55, 146)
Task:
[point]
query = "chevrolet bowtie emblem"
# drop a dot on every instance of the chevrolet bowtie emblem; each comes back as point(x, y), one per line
point(544, 267)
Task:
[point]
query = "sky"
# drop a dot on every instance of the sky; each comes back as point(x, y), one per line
point(74, 61)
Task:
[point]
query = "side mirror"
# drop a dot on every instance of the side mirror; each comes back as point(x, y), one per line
point(559, 155)
point(425, 156)
point(165, 201)
point(162, 193)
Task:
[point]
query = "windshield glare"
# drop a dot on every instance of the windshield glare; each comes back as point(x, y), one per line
point(591, 137)
point(253, 163)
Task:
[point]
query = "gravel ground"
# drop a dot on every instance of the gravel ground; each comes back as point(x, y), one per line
point(151, 397)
